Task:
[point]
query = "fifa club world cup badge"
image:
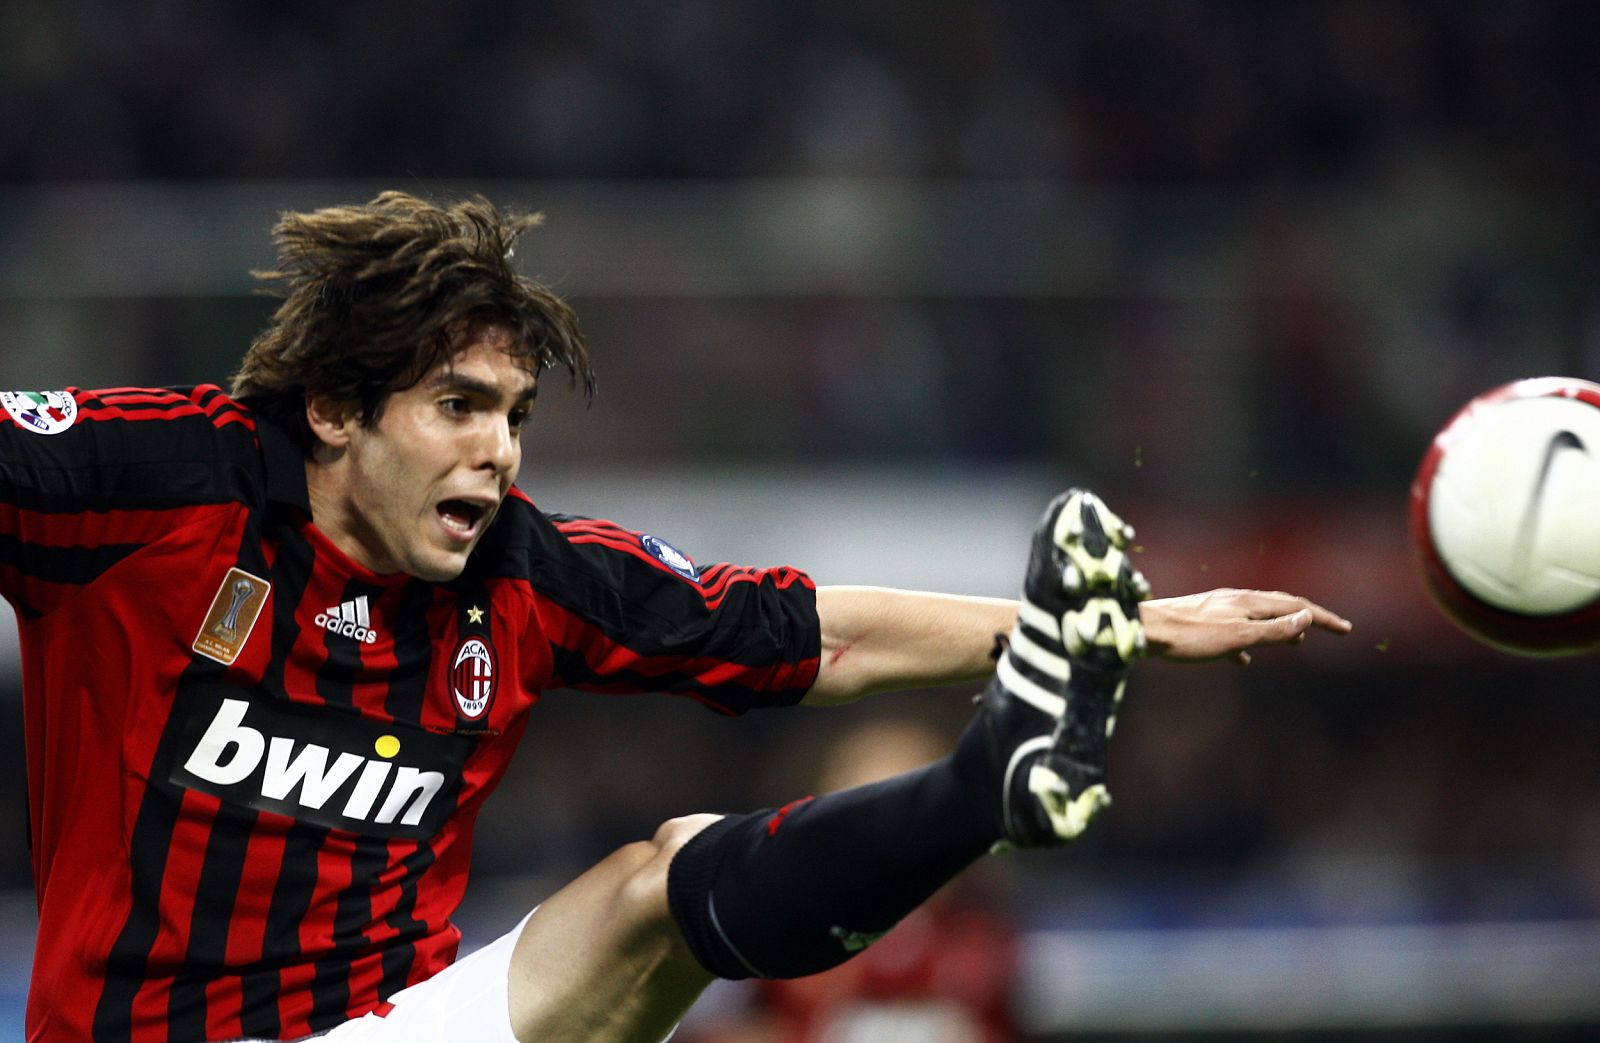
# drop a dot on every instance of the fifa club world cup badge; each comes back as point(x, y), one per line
point(42, 412)
point(472, 679)
point(233, 616)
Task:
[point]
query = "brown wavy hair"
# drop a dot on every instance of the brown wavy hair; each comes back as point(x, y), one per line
point(375, 295)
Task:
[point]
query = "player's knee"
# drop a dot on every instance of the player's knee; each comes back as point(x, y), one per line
point(644, 895)
point(674, 833)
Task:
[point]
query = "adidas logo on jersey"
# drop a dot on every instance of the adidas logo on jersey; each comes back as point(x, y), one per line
point(351, 619)
point(319, 764)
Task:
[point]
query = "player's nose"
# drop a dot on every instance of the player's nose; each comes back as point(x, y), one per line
point(497, 448)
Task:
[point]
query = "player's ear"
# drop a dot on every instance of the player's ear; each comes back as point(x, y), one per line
point(331, 422)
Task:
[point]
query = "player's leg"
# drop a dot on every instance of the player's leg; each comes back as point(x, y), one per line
point(622, 952)
point(605, 958)
point(789, 893)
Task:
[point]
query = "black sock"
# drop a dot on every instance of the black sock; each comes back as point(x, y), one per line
point(791, 892)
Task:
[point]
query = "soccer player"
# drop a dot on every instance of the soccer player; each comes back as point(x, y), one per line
point(279, 644)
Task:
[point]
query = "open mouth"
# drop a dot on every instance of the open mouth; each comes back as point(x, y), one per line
point(462, 518)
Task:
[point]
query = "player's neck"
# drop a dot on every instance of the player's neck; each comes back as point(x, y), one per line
point(335, 517)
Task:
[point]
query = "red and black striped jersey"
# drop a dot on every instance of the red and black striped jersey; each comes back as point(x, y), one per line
point(253, 765)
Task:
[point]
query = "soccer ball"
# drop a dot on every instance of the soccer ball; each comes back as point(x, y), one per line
point(1505, 517)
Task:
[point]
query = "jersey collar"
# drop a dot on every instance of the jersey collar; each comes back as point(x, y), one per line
point(286, 466)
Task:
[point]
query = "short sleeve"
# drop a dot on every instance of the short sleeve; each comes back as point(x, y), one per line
point(625, 611)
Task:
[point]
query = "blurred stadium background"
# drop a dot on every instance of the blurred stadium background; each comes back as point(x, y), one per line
point(866, 282)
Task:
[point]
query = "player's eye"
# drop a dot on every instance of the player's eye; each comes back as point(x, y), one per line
point(518, 417)
point(455, 405)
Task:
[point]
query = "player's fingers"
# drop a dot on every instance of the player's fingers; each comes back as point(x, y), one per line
point(1329, 620)
point(1332, 621)
point(1268, 604)
point(1282, 629)
point(1326, 619)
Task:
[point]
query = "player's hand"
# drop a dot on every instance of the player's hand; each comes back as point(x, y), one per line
point(1224, 623)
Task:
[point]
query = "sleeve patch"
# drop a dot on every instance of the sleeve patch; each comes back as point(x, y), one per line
point(42, 412)
point(671, 557)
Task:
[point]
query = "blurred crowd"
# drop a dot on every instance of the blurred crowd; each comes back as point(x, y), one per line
point(1233, 93)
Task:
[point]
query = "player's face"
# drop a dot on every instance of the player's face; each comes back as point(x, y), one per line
point(415, 491)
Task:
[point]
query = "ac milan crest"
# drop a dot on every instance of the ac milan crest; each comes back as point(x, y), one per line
point(472, 679)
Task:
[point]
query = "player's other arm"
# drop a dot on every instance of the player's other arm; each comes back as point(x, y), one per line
point(875, 639)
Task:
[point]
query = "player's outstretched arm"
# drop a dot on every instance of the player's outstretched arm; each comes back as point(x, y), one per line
point(876, 639)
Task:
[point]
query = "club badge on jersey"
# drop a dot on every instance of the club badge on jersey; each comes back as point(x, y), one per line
point(42, 412)
point(472, 679)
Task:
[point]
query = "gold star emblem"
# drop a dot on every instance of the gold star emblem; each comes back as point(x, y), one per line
point(474, 614)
